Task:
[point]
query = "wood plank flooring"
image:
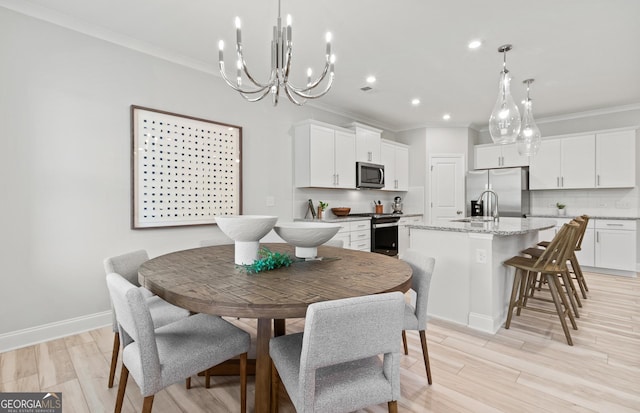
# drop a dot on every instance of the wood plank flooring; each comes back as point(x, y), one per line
point(528, 368)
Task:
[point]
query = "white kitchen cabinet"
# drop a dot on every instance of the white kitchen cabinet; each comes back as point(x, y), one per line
point(404, 234)
point(355, 235)
point(616, 159)
point(498, 156)
point(395, 158)
point(368, 141)
point(567, 163)
point(324, 156)
point(615, 244)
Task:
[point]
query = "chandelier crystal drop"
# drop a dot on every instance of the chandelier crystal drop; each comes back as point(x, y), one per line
point(504, 123)
point(529, 139)
point(281, 51)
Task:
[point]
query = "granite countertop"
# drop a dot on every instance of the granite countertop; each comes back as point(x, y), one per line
point(556, 216)
point(348, 218)
point(505, 226)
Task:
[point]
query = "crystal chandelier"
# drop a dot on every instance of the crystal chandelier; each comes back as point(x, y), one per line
point(529, 139)
point(504, 123)
point(281, 49)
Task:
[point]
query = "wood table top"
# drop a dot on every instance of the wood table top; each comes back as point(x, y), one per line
point(206, 280)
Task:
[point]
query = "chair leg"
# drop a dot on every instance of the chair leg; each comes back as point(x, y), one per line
point(114, 358)
point(393, 406)
point(577, 270)
point(514, 291)
point(425, 354)
point(553, 288)
point(275, 383)
point(404, 342)
point(147, 404)
point(122, 387)
point(572, 293)
point(188, 383)
point(243, 382)
point(524, 287)
point(207, 378)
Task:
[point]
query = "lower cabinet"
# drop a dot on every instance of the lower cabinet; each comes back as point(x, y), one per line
point(404, 234)
point(607, 243)
point(615, 244)
point(355, 235)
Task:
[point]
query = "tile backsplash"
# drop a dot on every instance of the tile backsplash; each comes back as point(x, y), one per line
point(621, 202)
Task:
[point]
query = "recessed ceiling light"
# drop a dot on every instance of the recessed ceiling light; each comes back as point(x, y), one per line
point(446, 116)
point(371, 79)
point(415, 102)
point(474, 44)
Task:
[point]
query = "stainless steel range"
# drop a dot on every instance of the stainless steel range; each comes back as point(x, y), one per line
point(384, 232)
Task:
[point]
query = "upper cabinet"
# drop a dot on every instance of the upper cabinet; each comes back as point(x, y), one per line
point(615, 159)
point(499, 156)
point(368, 141)
point(567, 163)
point(324, 156)
point(596, 160)
point(395, 158)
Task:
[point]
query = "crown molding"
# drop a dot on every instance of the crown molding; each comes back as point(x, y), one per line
point(580, 115)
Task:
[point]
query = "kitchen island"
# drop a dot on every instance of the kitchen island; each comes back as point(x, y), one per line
point(470, 285)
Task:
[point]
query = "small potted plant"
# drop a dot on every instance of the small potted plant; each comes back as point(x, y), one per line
point(321, 207)
point(561, 208)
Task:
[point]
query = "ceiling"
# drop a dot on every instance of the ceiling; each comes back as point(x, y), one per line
point(583, 54)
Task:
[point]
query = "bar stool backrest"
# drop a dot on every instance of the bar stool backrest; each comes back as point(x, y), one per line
point(583, 220)
point(554, 258)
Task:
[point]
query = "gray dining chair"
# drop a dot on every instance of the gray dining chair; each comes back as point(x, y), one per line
point(160, 357)
point(162, 313)
point(415, 318)
point(334, 365)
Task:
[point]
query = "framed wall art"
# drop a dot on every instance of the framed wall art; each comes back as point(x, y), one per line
point(185, 170)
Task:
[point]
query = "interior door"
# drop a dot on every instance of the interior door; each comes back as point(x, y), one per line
point(446, 187)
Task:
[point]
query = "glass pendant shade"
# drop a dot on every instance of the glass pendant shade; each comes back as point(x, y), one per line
point(529, 139)
point(504, 123)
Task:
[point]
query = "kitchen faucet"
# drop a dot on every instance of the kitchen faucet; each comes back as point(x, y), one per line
point(494, 213)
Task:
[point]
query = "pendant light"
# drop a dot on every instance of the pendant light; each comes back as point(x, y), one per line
point(504, 123)
point(529, 139)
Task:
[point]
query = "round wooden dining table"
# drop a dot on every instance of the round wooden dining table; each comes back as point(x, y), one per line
point(206, 280)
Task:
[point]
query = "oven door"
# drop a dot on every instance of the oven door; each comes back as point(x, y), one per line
point(384, 238)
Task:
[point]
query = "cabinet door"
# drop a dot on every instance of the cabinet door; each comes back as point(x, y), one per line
point(615, 249)
point(616, 159)
point(321, 157)
point(368, 146)
point(544, 169)
point(511, 157)
point(578, 162)
point(402, 169)
point(489, 156)
point(586, 255)
point(345, 159)
point(388, 159)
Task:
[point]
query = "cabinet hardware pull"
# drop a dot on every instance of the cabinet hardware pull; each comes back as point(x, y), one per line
point(598, 180)
point(562, 181)
point(338, 179)
point(615, 225)
point(558, 181)
point(597, 236)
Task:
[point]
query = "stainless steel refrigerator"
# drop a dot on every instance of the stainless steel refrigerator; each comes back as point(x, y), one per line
point(511, 185)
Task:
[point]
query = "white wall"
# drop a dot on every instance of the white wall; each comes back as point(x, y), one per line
point(65, 162)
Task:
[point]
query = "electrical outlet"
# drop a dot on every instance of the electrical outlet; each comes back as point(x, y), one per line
point(623, 204)
point(603, 205)
point(271, 201)
point(481, 256)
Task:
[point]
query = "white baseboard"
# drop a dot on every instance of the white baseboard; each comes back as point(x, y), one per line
point(46, 332)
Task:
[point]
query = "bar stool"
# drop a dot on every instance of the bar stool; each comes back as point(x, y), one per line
point(575, 265)
point(551, 263)
point(570, 287)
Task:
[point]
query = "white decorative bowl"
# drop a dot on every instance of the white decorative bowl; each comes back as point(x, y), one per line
point(306, 236)
point(246, 231)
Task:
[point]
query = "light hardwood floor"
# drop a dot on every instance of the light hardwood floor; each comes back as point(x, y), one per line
point(528, 368)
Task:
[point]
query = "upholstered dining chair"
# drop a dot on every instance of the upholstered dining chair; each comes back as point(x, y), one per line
point(334, 365)
point(160, 357)
point(415, 318)
point(162, 312)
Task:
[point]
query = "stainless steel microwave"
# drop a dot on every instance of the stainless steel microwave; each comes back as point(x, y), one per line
point(369, 175)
